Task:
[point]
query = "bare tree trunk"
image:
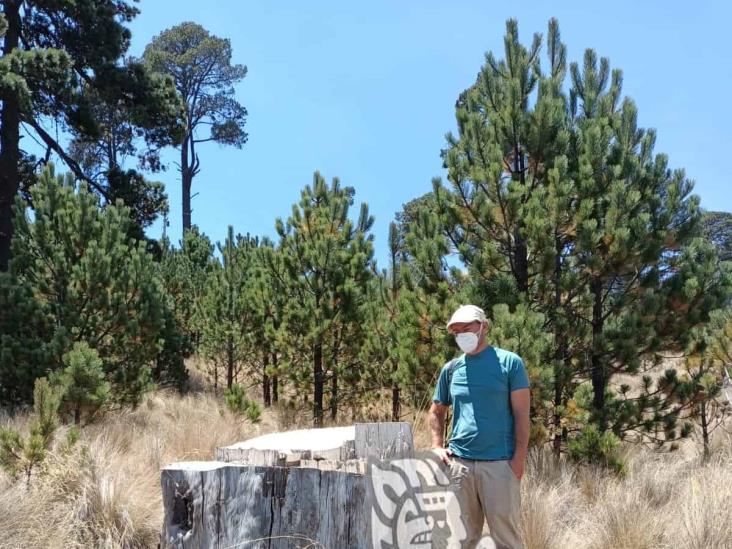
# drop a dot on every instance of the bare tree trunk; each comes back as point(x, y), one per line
point(275, 384)
point(318, 381)
point(216, 378)
point(187, 171)
point(230, 362)
point(560, 352)
point(522, 262)
point(396, 402)
point(334, 396)
point(705, 429)
point(599, 380)
point(521, 253)
point(396, 407)
point(9, 140)
point(266, 393)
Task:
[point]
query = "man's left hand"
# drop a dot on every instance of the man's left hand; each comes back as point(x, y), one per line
point(517, 466)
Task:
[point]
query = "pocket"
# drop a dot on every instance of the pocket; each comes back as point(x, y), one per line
point(457, 471)
point(510, 471)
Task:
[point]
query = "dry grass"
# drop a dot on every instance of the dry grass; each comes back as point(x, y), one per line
point(669, 500)
point(106, 492)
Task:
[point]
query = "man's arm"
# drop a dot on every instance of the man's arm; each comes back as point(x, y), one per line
point(521, 405)
point(436, 419)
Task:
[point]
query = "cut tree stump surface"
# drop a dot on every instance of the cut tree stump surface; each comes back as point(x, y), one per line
point(310, 439)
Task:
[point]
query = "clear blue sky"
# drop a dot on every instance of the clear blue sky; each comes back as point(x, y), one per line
point(366, 90)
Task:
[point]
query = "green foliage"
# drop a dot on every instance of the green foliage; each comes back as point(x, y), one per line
point(705, 372)
point(81, 384)
point(522, 331)
point(556, 200)
point(556, 215)
point(90, 283)
point(326, 263)
point(200, 66)
point(25, 351)
point(428, 292)
point(267, 301)
point(721, 336)
point(717, 229)
point(135, 106)
point(62, 67)
point(224, 309)
point(597, 448)
point(406, 219)
point(44, 78)
point(19, 454)
point(238, 403)
point(72, 437)
point(170, 369)
point(184, 273)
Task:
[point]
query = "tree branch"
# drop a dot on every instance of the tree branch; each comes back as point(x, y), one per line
point(70, 162)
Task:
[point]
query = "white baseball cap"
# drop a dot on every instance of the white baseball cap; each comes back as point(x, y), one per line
point(466, 314)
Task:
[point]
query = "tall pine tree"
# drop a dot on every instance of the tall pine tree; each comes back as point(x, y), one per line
point(200, 66)
point(225, 310)
point(328, 266)
point(556, 200)
point(58, 59)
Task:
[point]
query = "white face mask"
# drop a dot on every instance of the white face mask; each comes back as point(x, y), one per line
point(468, 341)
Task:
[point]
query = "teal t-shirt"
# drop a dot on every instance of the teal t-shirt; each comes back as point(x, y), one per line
point(480, 395)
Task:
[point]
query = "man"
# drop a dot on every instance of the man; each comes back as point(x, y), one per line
point(488, 389)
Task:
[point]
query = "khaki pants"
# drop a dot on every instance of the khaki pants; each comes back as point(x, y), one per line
point(490, 491)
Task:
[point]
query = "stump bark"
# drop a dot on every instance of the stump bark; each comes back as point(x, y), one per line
point(272, 493)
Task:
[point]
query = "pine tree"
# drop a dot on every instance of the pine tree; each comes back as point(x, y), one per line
point(170, 369)
point(504, 149)
point(25, 353)
point(200, 65)
point(380, 346)
point(523, 332)
point(81, 385)
point(58, 59)
point(130, 129)
point(267, 294)
point(327, 260)
point(90, 282)
point(184, 272)
point(704, 374)
point(508, 207)
point(20, 454)
point(717, 228)
point(648, 281)
point(225, 311)
point(557, 201)
point(238, 403)
point(429, 291)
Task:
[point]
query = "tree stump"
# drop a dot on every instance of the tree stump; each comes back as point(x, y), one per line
point(287, 490)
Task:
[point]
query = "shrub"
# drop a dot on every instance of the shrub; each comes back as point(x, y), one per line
point(82, 384)
point(238, 403)
point(22, 455)
point(592, 446)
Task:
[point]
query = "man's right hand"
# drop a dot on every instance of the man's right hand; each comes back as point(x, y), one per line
point(444, 454)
